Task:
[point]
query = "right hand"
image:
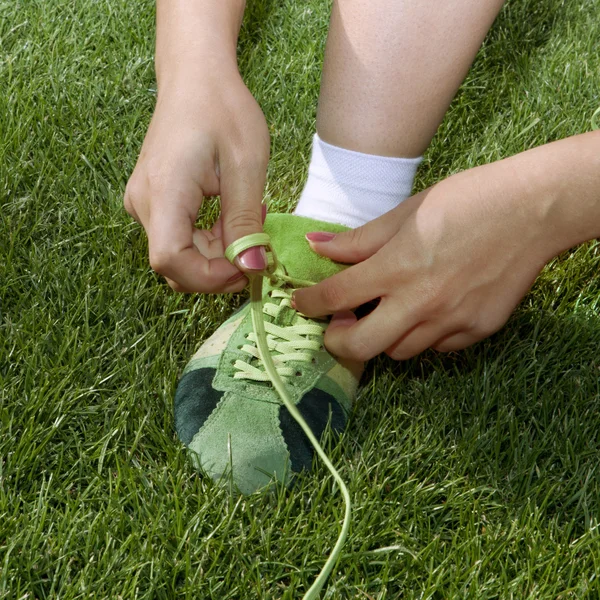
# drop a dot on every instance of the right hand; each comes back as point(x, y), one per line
point(204, 140)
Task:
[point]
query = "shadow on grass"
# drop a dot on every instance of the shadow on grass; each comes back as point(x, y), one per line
point(518, 413)
point(257, 13)
point(522, 28)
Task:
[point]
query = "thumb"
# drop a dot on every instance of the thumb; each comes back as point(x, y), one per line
point(241, 209)
point(355, 245)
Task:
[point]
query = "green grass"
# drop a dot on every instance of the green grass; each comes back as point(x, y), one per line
point(473, 475)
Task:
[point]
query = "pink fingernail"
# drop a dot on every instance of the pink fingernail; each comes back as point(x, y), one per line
point(320, 236)
point(293, 300)
point(254, 259)
point(236, 277)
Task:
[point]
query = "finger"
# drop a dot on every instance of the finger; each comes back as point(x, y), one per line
point(466, 336)
point(236, 284)
point(174, 255)
point(417, 340)
point(368, 337)
point(242, 185)
point(356, 245)
point(457, 341)
point(217, 229)
point(344, 291)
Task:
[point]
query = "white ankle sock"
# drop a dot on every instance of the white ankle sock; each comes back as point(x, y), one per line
point(352, 188)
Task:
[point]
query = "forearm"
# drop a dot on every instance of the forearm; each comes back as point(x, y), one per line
point(195, 36)
point(562, 182)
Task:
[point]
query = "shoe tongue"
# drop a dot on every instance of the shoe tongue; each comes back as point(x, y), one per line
point(291, 247)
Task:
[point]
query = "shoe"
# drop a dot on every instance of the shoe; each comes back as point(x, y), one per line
point(227, 411)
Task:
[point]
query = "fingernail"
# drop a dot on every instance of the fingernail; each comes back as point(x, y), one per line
point(293, 300)
point(236, 277)
point(254, 259)
point(320, 236)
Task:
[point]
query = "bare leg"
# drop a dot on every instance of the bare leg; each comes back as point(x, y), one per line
point(392, 68)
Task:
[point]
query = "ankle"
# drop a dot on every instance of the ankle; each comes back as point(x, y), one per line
point(352, 188)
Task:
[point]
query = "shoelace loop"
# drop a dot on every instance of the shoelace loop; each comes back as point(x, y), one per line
point(272, 373)
point(298, 342)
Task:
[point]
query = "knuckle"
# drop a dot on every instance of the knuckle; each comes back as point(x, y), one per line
point(128, 207)
point(161, 260)
point(156, 178)
point(433, 300)
point(464, 321)
point(484, 330)
point(248, 159)
point(452, 342)
point(244, 219)
point(399, 354)
point(354, 346)
point(444, 347)
point(479, 325)
point(360, 351)
point(353, 240)
point(160, 173)
point(356, 236)
point(132, 195)
point(261, 145)
point(177, 287)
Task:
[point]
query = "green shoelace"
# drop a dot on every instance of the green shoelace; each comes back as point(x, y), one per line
point(292, 342)
point(296, 346)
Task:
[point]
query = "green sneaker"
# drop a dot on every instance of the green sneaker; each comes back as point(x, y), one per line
point(226, 409)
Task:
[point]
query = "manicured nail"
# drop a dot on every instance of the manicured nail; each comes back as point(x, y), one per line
point(254, 259)
point(320, 236)
point(236, 277)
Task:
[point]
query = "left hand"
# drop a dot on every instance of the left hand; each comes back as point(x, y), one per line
point(449, 265)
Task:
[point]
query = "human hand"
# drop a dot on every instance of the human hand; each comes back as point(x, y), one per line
point(449, 265)
point(203, 140)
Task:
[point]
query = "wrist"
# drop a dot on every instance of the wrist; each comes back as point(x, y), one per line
point(196, 39)
point(509, 195)
point(563, 182)
point(192, 74)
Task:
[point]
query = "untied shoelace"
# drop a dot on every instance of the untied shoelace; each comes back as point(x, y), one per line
point(274, 373)
point(292, 350)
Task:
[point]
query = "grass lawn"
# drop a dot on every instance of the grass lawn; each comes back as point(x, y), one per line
point(473, 475)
